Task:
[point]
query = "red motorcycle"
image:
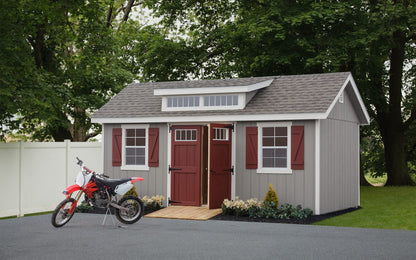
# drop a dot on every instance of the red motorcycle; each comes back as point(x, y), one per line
point(100, 192)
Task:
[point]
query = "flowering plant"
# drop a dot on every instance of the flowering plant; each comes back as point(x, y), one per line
point(239, 207)
point(154, 202)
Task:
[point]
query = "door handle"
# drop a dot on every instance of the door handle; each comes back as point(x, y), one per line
point(212, 171)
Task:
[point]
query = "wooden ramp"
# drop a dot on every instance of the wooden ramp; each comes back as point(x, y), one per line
point(185, 212)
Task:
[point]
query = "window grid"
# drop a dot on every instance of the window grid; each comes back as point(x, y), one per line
point(221, 101)
point(135, 147)
point(274, 147)
point(185, 101)
point(220, 134)
point(185, 135)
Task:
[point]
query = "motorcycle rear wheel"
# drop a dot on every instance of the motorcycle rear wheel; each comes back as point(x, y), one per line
point(135, 209)
point(61, 216)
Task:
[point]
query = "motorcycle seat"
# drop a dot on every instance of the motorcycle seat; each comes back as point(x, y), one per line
point(112, 183)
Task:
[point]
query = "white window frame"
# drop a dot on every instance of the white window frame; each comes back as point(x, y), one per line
point(241, 103)
point(144, 167)
point(261, 169)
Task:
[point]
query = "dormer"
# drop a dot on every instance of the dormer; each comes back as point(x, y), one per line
point(209, 98)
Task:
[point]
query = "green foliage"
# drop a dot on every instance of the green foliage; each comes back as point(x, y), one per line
point(271, 196)
point(132, 192)
point(83, 207)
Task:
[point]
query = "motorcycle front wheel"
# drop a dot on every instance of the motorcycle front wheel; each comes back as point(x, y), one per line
point(135, 210)
point(61, 214)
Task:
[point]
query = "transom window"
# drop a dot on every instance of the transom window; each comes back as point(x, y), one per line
point(221, 101)
point(185, 135)
point(220, 134)
point(203, 102)
point(274, 148)
point(185, 101)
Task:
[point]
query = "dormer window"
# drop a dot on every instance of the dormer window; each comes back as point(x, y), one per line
point(208, 98)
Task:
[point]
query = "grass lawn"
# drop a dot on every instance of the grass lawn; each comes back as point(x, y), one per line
point(382, 207)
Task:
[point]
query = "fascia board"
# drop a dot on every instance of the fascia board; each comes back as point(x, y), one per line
point(213, 90)
point(350, 79)
point(217, 118)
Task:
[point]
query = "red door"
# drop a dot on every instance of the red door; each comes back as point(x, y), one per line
point(219, 164)
point(186, 166)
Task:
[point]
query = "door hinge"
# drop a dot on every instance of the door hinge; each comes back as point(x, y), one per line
point(230, 127)
point(173, 169)
point(230, 170)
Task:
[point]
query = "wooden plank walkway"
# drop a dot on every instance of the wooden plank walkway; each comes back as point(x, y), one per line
point(185, 212)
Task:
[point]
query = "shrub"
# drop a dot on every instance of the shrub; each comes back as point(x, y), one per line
point(132, 192)
point(153, 203)
point(271, 196)
point(239, 207)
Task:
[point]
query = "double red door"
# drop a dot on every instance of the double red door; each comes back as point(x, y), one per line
point(186, 165)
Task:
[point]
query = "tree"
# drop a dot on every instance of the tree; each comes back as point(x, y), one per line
point(74, 48)
point(375, 40)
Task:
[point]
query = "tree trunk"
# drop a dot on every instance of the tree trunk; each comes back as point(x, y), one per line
point(395, 156)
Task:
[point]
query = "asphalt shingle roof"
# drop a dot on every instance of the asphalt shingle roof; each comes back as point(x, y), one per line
point(312, 93)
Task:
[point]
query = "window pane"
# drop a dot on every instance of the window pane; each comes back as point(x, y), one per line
point(281, 131)
point(217, 101)
point(235, 100)
point(268, 131)
point(280, 162)
point(178, 135)
point(140, 141)
point(130, 160)
point(170, 102)
point(130, 152)
point(174, 102)
point(268, 141)
point(229, 100)
point(186, 101)
point(130, 132)
point(140, 132)
point(140, 152)
point(212, 101)
point(268, 153)
point(281, 141)
point(281, 153)
point(223, 100)
point(140, 161)
point(129, 141)
point(268, 162)
point(180, 101)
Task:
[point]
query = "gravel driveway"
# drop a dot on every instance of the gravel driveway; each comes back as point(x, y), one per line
point(84, 238)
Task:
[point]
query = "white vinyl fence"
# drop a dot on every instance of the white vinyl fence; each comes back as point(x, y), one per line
point(33, 175)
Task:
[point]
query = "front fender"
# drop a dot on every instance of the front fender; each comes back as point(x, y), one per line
point(71, 189)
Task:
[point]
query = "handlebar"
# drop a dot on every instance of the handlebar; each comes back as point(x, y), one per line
point(83, 167)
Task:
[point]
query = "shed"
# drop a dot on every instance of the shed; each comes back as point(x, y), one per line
point(199, 142)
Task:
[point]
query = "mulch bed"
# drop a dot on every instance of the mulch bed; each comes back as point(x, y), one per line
point(309, 220)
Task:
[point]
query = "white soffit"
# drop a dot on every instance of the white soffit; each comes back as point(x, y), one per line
point(212, 90)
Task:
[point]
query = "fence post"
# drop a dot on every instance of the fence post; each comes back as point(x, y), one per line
point(67, 144)
point(21, 214)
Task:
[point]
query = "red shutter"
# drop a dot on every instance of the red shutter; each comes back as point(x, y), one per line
point(297, 147)
point(116, 154)
point(251, 147)
point(153, 147)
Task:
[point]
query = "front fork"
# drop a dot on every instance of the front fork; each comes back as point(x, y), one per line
point(74, 205)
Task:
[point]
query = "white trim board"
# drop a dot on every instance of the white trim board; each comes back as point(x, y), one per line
point(212, 90)
point(215, 118)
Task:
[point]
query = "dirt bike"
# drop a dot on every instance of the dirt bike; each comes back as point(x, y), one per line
point(100, 192)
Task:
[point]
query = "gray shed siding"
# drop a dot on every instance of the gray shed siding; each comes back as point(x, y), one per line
point(155, 180)
point(339, 158)
point(296, 188)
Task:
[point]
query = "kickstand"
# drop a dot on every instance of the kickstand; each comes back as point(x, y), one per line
point(108, 212)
